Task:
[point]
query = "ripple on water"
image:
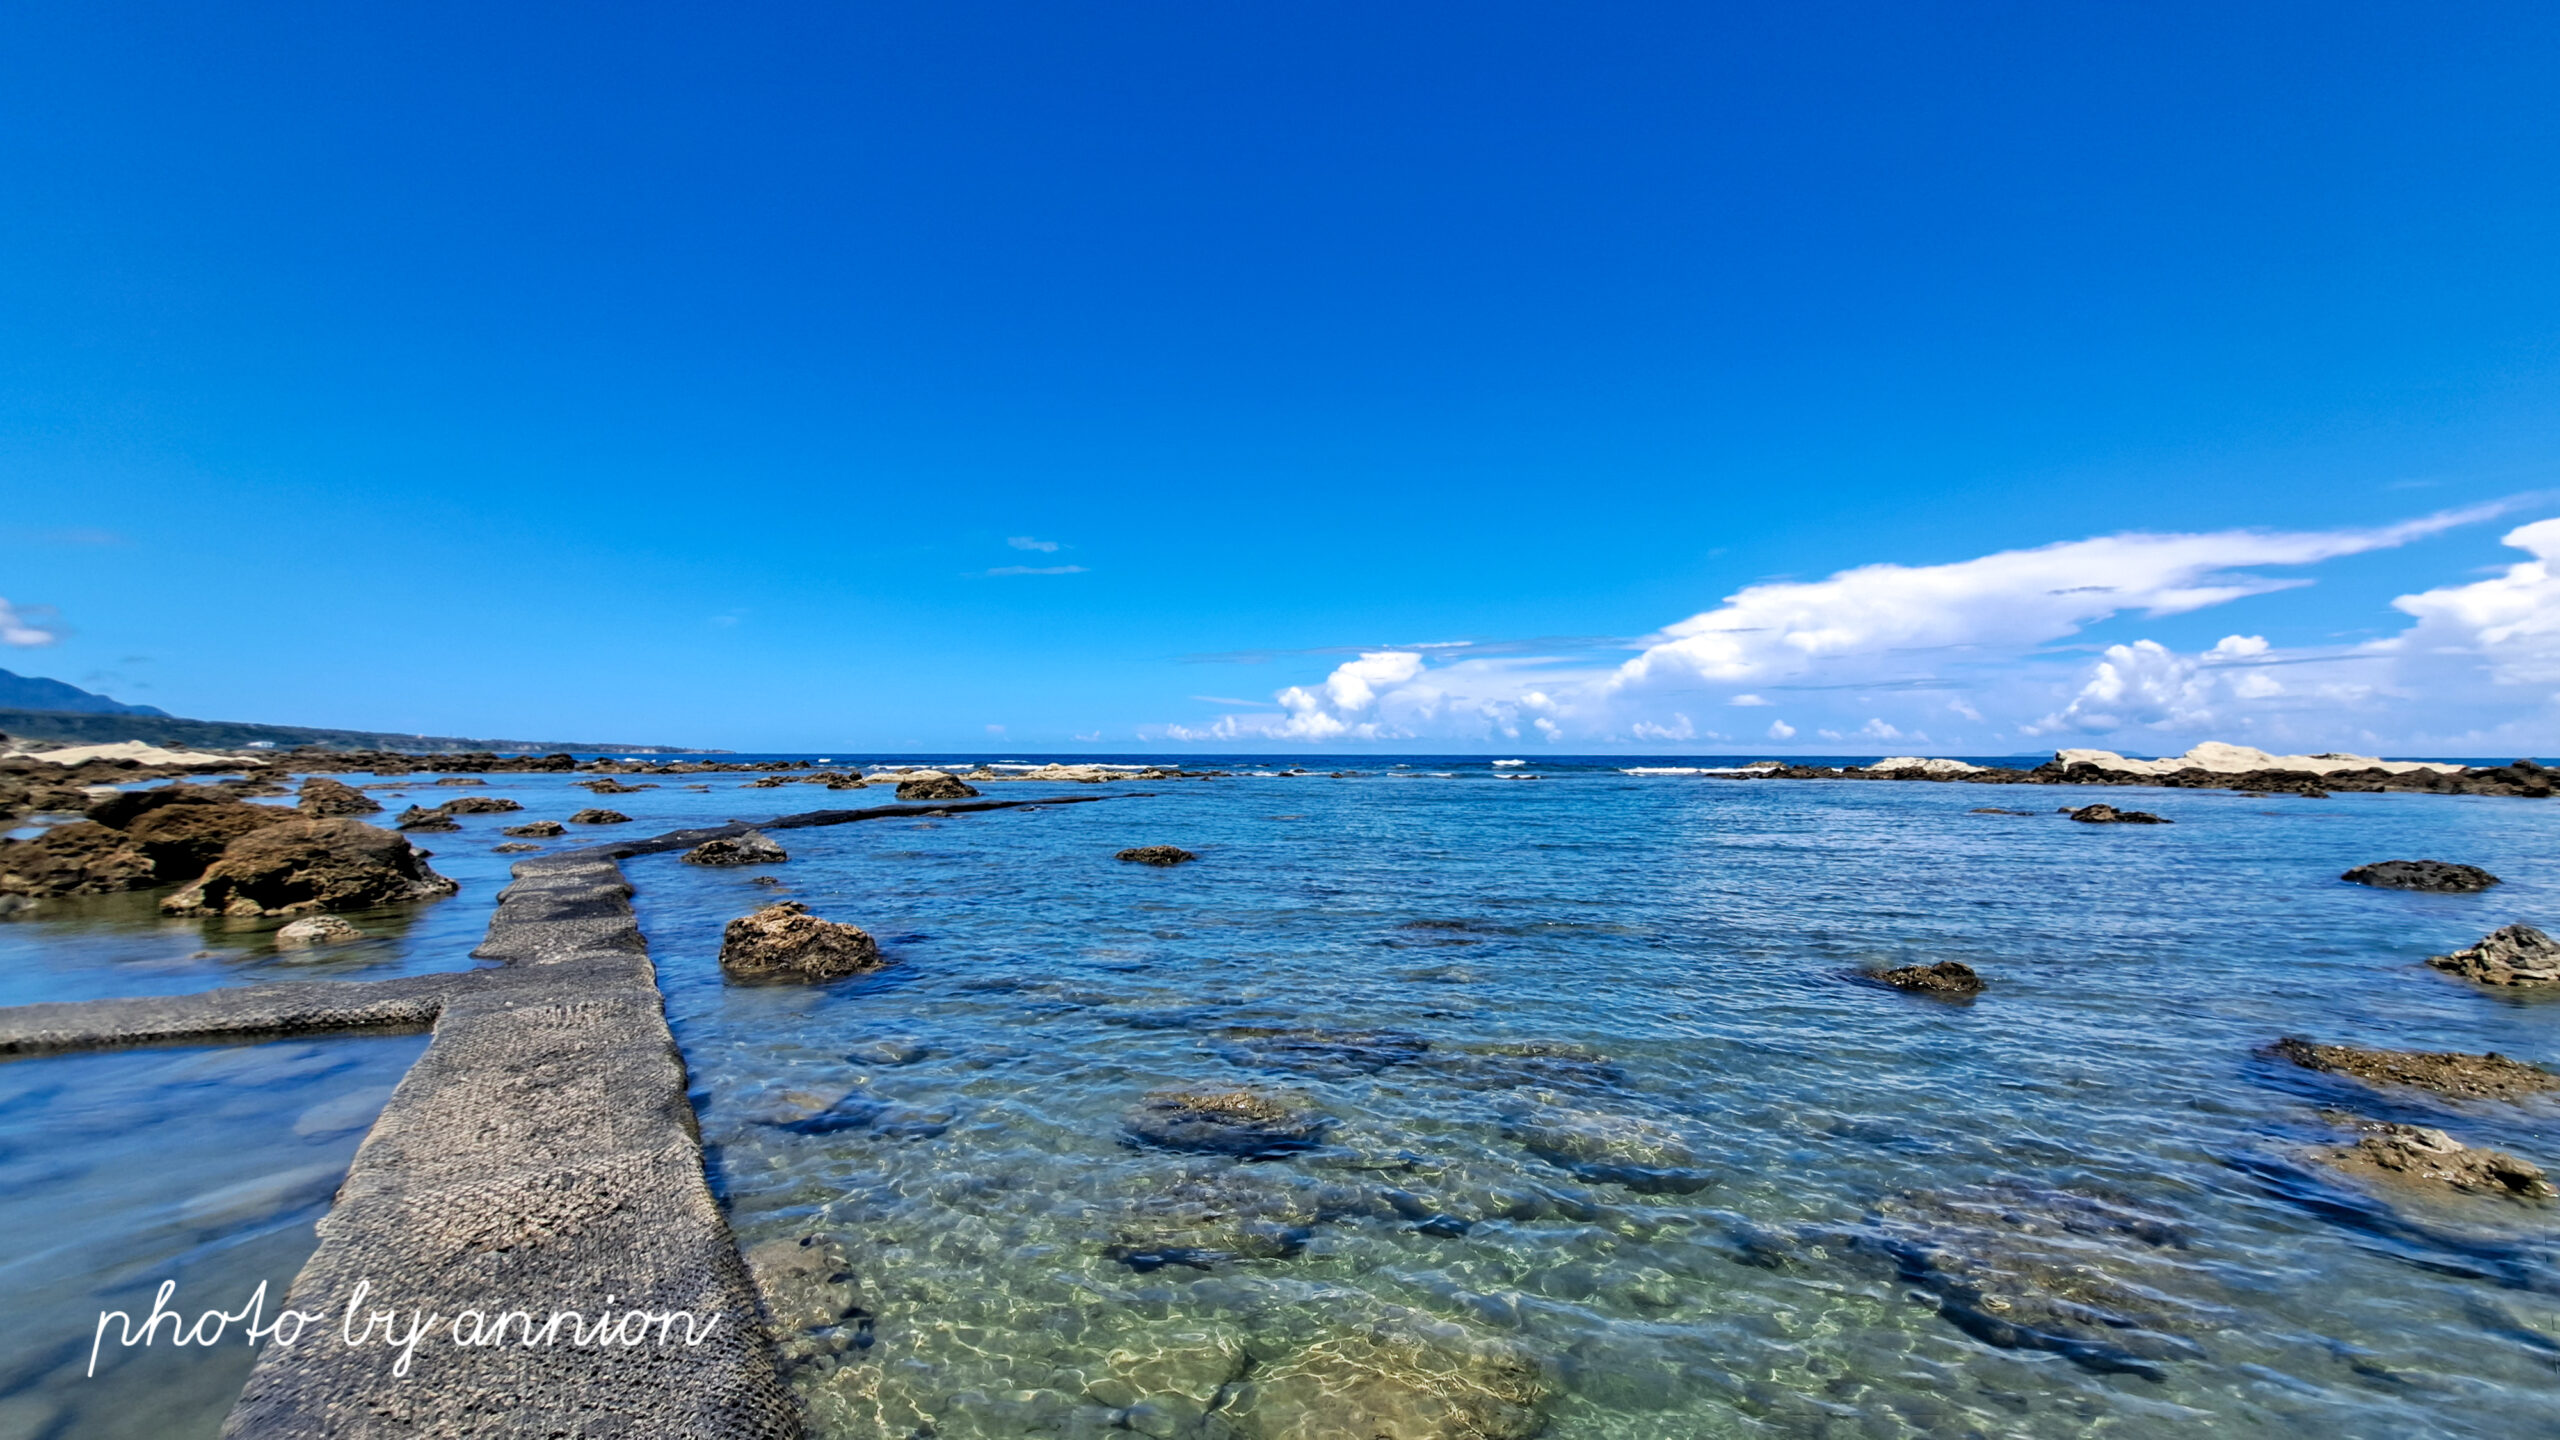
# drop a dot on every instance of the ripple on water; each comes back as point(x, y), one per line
point(1592, 1140)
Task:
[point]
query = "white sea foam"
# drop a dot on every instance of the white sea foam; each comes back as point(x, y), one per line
point(1510, 762)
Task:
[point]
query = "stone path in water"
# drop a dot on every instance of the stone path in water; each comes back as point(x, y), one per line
point(541, 1156)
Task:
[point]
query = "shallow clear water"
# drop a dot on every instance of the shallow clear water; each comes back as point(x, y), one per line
point(1617, 1144)
point(1626, 1150)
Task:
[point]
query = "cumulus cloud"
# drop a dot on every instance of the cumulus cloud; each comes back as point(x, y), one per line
point(1876, 615)
point(27, 626)
point(1967, 647)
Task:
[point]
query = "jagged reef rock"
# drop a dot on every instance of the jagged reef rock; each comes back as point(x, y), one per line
point(1251, 1123)
point(327, 799)
point(513, 847)
point(479, 805)
point(1396, 1386)
point(2110, 815)
point(539, 829)
point(610, 786)
point(1156, 855)
point(183, 839)
point(935, 785)
point(81, 858)
point(2469, 1077)
point(2441, 876)
point(304, 865)
point(2516, 955)
point(752, 848)
point(1947, 977)
point(313, 930)
point(785, 942)
point(420, 817)
point(599, 817)
point(2417, 1154)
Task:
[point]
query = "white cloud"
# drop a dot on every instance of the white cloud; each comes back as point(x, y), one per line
point(2476, 667)
point(995, 729)
point(26, 627)
point(1025, 542)
point(1037, 570)
point(1870, 619)
point(1088, 736)
point(1678, 729)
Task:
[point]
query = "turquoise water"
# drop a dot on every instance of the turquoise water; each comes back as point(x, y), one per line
point(1611, 1141)
point(1617, 1145)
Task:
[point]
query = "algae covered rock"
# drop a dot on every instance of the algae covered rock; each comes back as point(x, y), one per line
point(326, 799)
point(1382, 1383)
point(537, 829)
point(420, 817)
point(1646, 1155)
point(1156, 855)
point(784, 942)
point(935, 785)
point(752, 848)
point(321, 865)
point(2420, 1155)
point(183, 839)
point(2110, 815)
point(1947, 978)
point(80, 858)
point(2468, 1077)
point(1252, 1123)
point(2516, 955)
point(599, 817)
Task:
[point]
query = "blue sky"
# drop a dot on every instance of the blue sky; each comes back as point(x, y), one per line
point(702, 374)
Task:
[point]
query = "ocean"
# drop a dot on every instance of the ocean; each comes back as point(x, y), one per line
point(1601, 1131)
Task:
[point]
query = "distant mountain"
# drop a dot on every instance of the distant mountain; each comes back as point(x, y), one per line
point(34, 692)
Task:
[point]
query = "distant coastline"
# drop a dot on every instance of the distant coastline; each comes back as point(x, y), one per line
point(70, 727)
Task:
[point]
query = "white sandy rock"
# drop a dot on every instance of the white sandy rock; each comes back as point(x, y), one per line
point(1898, 763)
point(2225, 759)
point(137, 751)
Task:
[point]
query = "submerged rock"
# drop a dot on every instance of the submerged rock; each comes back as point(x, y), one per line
point(539, 829)
point(935, 785)
point(752, 848)
point(2016, 1266)
point(1249, 1123)
point(513, 847)
point(311, 865)
point(783, 941)
point(1947, 977)
point(2516, 955)
point(327, 799)
point(1399, 1386)
point(314, 930)
point(1156, 855)
point(2416, 1154)
point(2442, 876)
point(2110, 815)
point(1317, 1051)
point(1210, 1217)
point(1642, 1154)
point(2470, 1077)
point(599, 817)
point(812, 1298)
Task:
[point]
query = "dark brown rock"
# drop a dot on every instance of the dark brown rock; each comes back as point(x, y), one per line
point(311, 865)
point(2469, 1077)
point(2440, 876)
point(2418, 1155)
point(610, 786)
point(1947, 977)
point(513, 847)
point(1156, 855)
point(479, 805)
point(934, 785)
point(752, 848)
point(2516, 955)
point(327, 799)
point(785, 942)
point(183, 839)
point(2110, 815)
point(599, 817)
point(419, 817)
point(542, 829)
point(81, 858)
